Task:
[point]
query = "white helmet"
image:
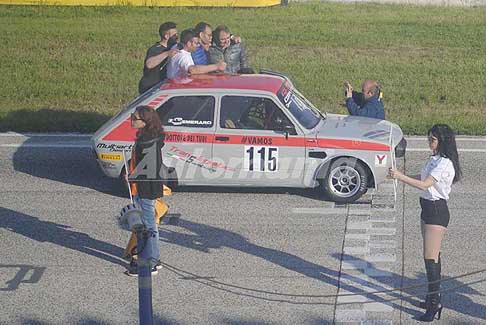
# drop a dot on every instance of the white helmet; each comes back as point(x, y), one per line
point(130, 218)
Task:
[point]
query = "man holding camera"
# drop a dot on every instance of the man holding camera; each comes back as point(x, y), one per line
point(367, 103)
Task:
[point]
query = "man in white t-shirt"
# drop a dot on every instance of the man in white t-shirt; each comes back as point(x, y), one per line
point(182, 64)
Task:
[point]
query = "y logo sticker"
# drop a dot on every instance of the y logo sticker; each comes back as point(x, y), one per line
point(380, 160)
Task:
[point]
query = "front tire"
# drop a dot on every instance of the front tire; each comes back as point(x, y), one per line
point(346, 180)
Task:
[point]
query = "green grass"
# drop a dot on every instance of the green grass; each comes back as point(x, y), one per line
point(72, 68)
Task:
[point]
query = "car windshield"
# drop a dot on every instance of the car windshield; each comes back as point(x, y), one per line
point(307, 115)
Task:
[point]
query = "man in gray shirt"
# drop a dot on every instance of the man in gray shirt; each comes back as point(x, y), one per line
point(234, 55)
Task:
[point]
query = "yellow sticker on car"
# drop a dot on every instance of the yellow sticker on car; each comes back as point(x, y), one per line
point(111, 156)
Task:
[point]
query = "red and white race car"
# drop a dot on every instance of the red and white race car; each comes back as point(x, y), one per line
point(256, 130)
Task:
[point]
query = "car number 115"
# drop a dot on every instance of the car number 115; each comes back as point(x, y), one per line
point(261, 159)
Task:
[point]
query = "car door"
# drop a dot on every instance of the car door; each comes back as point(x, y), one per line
point(257, 143)
point(189, 126)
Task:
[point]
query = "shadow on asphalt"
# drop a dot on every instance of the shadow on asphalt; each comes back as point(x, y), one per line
point(309, 193)
point(20, 277)
point(78, 166)
point(59, 234)
point(457, 300)
point(73, 166)
point(205, 238)
point(52, 120)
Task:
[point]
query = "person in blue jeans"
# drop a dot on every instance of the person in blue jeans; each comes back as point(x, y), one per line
point(147, 154)
point(367, 103)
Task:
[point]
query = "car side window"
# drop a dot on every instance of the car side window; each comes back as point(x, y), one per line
point(188, 111)
point(256, 113)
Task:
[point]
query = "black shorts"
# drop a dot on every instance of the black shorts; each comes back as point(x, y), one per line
point(435, 212)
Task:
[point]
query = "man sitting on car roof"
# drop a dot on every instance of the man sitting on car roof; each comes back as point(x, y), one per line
point(182, 64)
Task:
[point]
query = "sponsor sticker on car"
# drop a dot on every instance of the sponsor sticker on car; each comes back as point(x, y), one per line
point(380, 160)
point(111, 156)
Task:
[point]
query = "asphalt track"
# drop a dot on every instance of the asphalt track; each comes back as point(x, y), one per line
point(266, 256)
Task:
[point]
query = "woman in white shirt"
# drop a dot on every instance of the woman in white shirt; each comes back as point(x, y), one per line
point(436, 179)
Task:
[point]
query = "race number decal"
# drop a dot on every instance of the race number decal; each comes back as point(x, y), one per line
point(261, 159)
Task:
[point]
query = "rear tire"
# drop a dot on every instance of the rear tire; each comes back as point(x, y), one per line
point(346, 180)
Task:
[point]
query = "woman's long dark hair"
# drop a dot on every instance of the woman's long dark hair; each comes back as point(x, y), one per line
point(153, 127)
point(447, 146)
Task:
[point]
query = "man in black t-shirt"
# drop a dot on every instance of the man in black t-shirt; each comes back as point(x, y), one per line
point(154, 66)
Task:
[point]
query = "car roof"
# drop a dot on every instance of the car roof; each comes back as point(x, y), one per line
point(260, 82)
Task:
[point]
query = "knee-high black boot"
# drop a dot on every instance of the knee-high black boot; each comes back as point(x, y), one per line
point(433, 276)
point(425, 304)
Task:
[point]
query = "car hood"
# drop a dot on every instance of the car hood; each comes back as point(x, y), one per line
point(357, 128)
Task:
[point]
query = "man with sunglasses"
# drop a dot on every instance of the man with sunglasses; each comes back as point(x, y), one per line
point(154, 65)
point(182, 63)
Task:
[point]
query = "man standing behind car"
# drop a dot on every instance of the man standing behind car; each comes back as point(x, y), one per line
point(182, 64)
point(154, 65)
point(233, 54)
point(367, 103)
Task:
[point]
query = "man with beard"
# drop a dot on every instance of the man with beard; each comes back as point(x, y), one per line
point(154, 68)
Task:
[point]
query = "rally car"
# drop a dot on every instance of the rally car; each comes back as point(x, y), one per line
point(255, 130)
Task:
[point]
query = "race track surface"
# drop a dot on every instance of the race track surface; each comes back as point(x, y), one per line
point(250, 256)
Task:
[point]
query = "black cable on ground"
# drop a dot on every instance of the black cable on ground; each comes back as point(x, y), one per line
point(340, 265)
point(221, 286)
point(209, 279)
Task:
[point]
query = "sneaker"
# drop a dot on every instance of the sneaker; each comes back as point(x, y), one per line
point(133, 264)
point(133, 271)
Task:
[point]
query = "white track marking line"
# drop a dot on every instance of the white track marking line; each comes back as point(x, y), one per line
point(316, 211)
point(479, 139)
point(459, 150)
point(42, 135)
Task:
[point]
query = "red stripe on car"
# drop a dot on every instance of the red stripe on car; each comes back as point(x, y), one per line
point(157, 101)
point(351, 144)
point(125, 133)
